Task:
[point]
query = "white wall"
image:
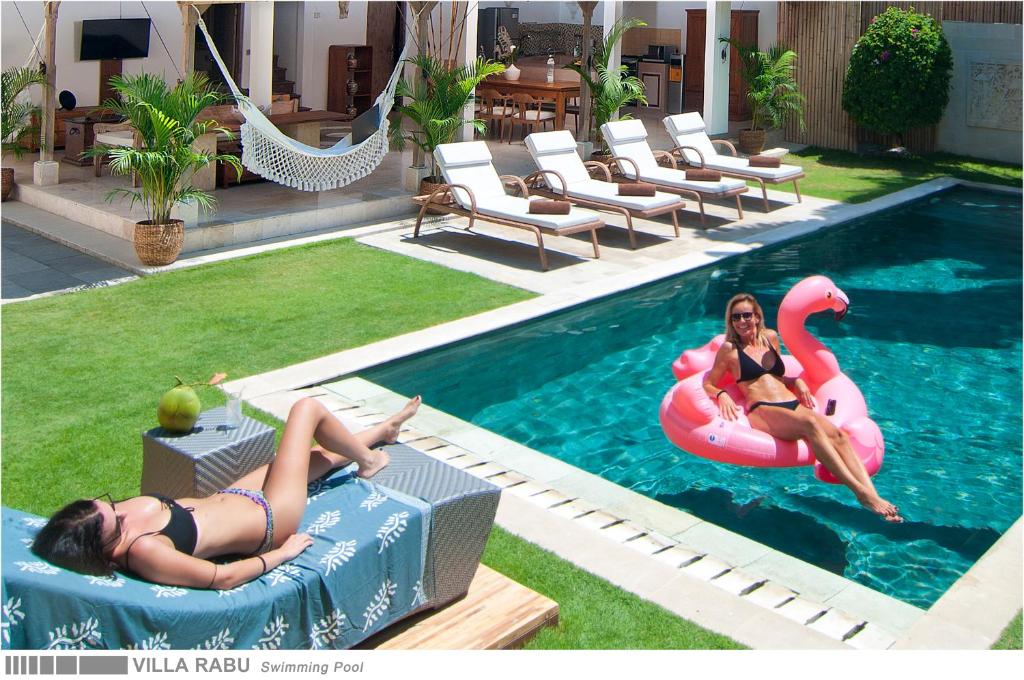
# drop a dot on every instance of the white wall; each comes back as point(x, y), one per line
point(548, 11)
point(983, 117)
point(321, 27)
point(83, 77)
point(287, 25)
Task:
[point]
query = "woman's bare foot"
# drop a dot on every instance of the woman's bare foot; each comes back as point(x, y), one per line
point(379, 462)
point(393, 425)
point(882, 507)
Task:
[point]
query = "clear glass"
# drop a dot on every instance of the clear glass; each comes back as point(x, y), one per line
point(234, 408)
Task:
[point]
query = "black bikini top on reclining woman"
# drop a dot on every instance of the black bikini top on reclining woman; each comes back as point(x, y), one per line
point(751, 370)
point(180, 528)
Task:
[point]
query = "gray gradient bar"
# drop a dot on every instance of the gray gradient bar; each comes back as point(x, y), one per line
point(103, 665)
point(67, 665)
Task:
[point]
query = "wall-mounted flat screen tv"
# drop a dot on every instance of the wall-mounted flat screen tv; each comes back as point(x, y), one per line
point(114, 39)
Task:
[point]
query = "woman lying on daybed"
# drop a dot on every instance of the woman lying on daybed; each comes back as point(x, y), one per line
point(172, 541)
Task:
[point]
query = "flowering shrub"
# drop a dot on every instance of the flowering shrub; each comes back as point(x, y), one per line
point(899, 73)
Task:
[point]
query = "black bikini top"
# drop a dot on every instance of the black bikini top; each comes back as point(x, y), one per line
point(751, 370)
point(180, 528)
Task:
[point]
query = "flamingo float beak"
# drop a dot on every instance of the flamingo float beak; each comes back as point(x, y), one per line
point(843, 303)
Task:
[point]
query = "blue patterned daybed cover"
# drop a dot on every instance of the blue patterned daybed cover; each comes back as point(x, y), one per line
point(363, 572)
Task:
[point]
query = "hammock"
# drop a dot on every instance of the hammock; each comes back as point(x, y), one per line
point(271, 154)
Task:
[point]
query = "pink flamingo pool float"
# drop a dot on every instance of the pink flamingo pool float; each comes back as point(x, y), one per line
point(692, 422)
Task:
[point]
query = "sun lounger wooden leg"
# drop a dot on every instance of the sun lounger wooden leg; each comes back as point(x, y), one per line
point(540, 250)
point(700, 204)
point(764, 192)
point(593, 240)
point(739, 206)
point(629, 226)
point(675, 222)
point(419, 219)
point(797, 190)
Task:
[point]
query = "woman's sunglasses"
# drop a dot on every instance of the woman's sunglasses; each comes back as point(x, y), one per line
point(746, 316)
point(117, 520)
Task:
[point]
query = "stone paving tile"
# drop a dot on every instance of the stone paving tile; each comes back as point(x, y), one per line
point(650, 543)
point(623, 532)
point(447, 452)
point(737, 582)
point(462, 462)
point(770, 595)
point(706, 568)
point(836, 624)
point(871, 637)
point(574, 509)
point(677, 556)
point(549, 498)
point(486, 470)
point(427, 443)
point(410, 435)
point(506, 479)
point(800, 610)
point(43, 281)
point(528, 489)
point(597, 520)
point(12, 291)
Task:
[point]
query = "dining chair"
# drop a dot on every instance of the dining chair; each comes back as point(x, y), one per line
point(529, 112)
point(494, 106)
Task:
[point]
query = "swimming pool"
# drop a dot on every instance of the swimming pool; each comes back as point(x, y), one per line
point(933, 338)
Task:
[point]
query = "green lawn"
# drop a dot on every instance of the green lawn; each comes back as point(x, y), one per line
point(846, 176)
point(1011, 637)
point(82, 373)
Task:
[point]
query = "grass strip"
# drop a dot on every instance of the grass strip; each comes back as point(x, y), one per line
point(1011, 637)
point(82, 373)
point(593, 613)
point(853, 178)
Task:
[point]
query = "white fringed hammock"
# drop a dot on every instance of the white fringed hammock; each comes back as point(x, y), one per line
point(271, 154)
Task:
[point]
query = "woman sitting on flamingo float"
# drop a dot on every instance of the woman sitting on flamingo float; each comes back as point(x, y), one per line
point(782, 424)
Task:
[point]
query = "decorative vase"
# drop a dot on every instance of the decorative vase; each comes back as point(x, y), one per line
point(512, 72)
point(353, 63)
point(751, 141)
point(158, 244)
point(352, 87)
point(352, 110)
point(8, 183)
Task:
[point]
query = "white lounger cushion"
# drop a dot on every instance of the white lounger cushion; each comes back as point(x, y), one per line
point(608, 192)
point(115, 138)
point(687, 129)
point(516, 208)
point(469, 163)
point(624, 140)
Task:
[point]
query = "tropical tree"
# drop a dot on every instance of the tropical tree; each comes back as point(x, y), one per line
point(611, 88)
point(166, 122)
point(436, 105)
point(17, 115)
point(773, 92)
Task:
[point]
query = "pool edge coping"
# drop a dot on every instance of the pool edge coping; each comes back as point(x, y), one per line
point(924, 632)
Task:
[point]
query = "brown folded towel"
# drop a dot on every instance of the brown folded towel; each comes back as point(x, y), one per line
point(636, 189)
point(546, 207)
point(703, 175)
point(763, 162)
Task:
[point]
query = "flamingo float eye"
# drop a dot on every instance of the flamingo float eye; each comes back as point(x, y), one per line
point(828, 294)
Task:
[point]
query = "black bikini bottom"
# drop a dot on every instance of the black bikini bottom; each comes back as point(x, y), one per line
point(791, 405)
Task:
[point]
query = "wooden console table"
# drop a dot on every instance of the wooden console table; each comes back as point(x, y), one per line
point(79, 137)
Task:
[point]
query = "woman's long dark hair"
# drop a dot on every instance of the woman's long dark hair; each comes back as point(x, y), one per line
point(73, 539)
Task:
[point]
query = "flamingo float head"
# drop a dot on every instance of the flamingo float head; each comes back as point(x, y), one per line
point(815, 294)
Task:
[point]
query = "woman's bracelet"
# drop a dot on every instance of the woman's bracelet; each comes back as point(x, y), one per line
point(264, 563)
point(720, 393)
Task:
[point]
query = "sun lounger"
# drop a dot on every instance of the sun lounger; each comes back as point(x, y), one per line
point(475, 190)
point(695, 148)
point(564, 175)
point(633, 157)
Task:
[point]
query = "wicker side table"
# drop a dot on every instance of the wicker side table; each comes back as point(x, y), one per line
point(462, 513)
point(205, 460)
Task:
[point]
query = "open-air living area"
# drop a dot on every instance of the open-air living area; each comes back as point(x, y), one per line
point(512, 325)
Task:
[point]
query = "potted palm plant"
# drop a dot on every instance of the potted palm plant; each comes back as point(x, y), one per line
point(611, 89)
point(436, 106)
point(773, 92)
point(16, 116)
point(165, 122)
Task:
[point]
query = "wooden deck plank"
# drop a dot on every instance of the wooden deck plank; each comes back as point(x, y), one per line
point(496, 613)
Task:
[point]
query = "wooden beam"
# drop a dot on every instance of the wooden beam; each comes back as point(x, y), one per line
point(50, 89)
point(188, 39)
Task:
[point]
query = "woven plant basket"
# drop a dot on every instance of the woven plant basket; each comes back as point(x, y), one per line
point(158, 244)
point(427, 187)
point(8, 183)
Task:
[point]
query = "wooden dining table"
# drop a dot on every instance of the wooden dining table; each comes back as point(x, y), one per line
point(559, 91)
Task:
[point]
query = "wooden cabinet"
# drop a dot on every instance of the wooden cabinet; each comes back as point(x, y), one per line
point(743, 29)
point(339, 74)
point(59, 127)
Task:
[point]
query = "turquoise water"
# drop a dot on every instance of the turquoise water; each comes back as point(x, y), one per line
point(933, 338)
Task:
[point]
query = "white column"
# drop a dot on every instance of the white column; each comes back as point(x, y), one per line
point(611, 11)
point(716, 68)
point(468, 56)
point(261, 52)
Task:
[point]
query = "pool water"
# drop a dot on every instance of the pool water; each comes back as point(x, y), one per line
point(933, 338)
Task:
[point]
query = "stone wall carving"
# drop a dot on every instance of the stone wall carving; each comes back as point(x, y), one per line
point(542, 38)
point(994, 96)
